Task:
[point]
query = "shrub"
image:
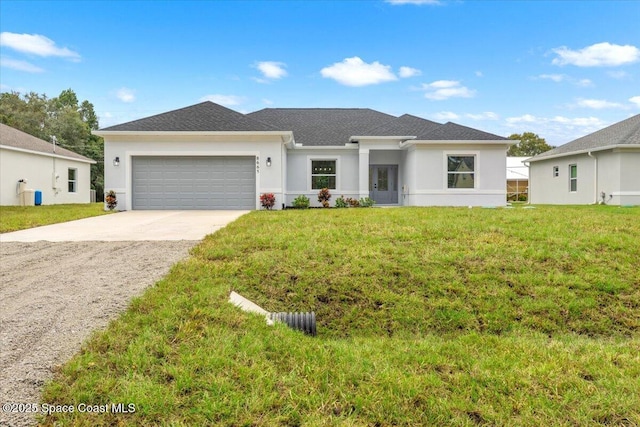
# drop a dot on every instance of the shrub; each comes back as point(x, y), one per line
point(111, 200)
point(367, 202)
point(301, 202)
point(341, 202)
point(324, 196)
point(354, 203)
point(267, 200)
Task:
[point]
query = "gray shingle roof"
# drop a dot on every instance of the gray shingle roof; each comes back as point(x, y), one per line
point(206, 116)
point(323, 126)
point(406, 125)
point(626, 132)
point(454, 132)
point(13, 137)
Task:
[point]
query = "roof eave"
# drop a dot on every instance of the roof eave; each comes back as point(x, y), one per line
point(190, 133)
point(539, 157)
point(42, 153)
point(505, 142)
point(357, 138)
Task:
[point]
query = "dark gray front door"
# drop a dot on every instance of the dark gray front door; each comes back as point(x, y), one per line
point(179, 183)
point(383, 184)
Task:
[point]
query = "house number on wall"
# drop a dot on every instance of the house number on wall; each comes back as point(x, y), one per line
point(257, 164)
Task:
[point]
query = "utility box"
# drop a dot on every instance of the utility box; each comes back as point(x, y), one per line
point(27, 197)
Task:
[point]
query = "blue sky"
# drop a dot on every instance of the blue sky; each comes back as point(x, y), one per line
point(561, 69)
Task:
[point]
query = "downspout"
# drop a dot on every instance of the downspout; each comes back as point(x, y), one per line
point(526, 163)
point(595, 177)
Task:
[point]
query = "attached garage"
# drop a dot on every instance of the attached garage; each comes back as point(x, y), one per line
point(193, 182)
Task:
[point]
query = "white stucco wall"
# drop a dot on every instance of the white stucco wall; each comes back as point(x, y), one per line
point(299, 173)
point(426, 176)
point(618, 176)
point(39, 171)
point(268, 179)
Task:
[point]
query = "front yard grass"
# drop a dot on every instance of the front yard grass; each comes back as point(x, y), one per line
point(14, 218)
point(426, 316)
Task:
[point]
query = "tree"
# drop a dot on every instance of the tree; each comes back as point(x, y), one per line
point(61, 117)
point(530, 145)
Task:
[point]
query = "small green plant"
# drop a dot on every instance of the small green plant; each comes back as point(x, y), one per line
point(341, 202)
point(301, 202)
point(267, 200)
point(111, 200)
point(324, 196)
point(367, 202)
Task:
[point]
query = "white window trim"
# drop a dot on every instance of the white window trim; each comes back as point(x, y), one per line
point(75, 181)
point(476, 168)
point(572, 179)
point(323, 158)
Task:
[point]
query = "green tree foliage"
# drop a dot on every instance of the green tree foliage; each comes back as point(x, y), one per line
point(530, 145)
point(65, 118)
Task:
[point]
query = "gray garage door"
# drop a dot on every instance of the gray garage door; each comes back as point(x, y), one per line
point(194, 183)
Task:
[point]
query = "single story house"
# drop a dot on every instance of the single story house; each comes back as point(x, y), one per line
point(29, 164)
point(517, 179)
point(600, 167)
point(207, 156)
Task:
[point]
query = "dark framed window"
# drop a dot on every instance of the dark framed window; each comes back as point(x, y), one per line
point(73, 180)
point(323, 174)
point(461, 171)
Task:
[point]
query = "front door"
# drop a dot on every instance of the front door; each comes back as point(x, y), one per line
point(383, 184)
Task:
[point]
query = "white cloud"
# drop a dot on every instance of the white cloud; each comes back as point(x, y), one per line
point(406, 72)
point(554, 77)
point(635, 100)
point(126, 95)
point(266, 101)
point(272, 70)
point(573, 122)
point(618, 74)
point(417, 2)
point(445, 89)
point(226, 100)
point(558, 78)
point(446, 115)
point(15, 64)
point(36, 44)
point(355, 72)
point(597, 55)
point(487, 115)
point(479, 74)
point(597, 104)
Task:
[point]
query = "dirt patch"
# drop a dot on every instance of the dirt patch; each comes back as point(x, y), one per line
point(53, 295)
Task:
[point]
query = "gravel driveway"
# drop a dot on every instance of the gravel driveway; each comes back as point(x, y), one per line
point(53, 295)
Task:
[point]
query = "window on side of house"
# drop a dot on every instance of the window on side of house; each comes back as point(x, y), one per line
point(461, 171)
point(73, 180)
point(556, 171)
point(573, 178)
point(323, 174)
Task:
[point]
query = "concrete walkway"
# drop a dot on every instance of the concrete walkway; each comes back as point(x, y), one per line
point(130, 226)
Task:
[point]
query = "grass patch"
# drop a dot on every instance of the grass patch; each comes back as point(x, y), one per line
point(426, 316)
point(14, 218)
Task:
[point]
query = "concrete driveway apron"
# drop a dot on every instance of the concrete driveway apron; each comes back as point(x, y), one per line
point(130, 226)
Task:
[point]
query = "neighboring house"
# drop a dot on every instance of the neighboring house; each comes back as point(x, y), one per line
point(601, 167)
point(210, 157)
point(61, 175)
point(517, 179)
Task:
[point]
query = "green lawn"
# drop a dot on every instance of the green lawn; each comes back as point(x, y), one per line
point(426, 316)
point(13, 218)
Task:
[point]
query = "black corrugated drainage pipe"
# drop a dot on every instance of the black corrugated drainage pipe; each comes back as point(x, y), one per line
point(305, 322)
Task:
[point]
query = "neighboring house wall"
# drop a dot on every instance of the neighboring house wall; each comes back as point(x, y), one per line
point(630, 177)
point(39, 171)
point(269, 179)
point(426, 176)
point(545, 188)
